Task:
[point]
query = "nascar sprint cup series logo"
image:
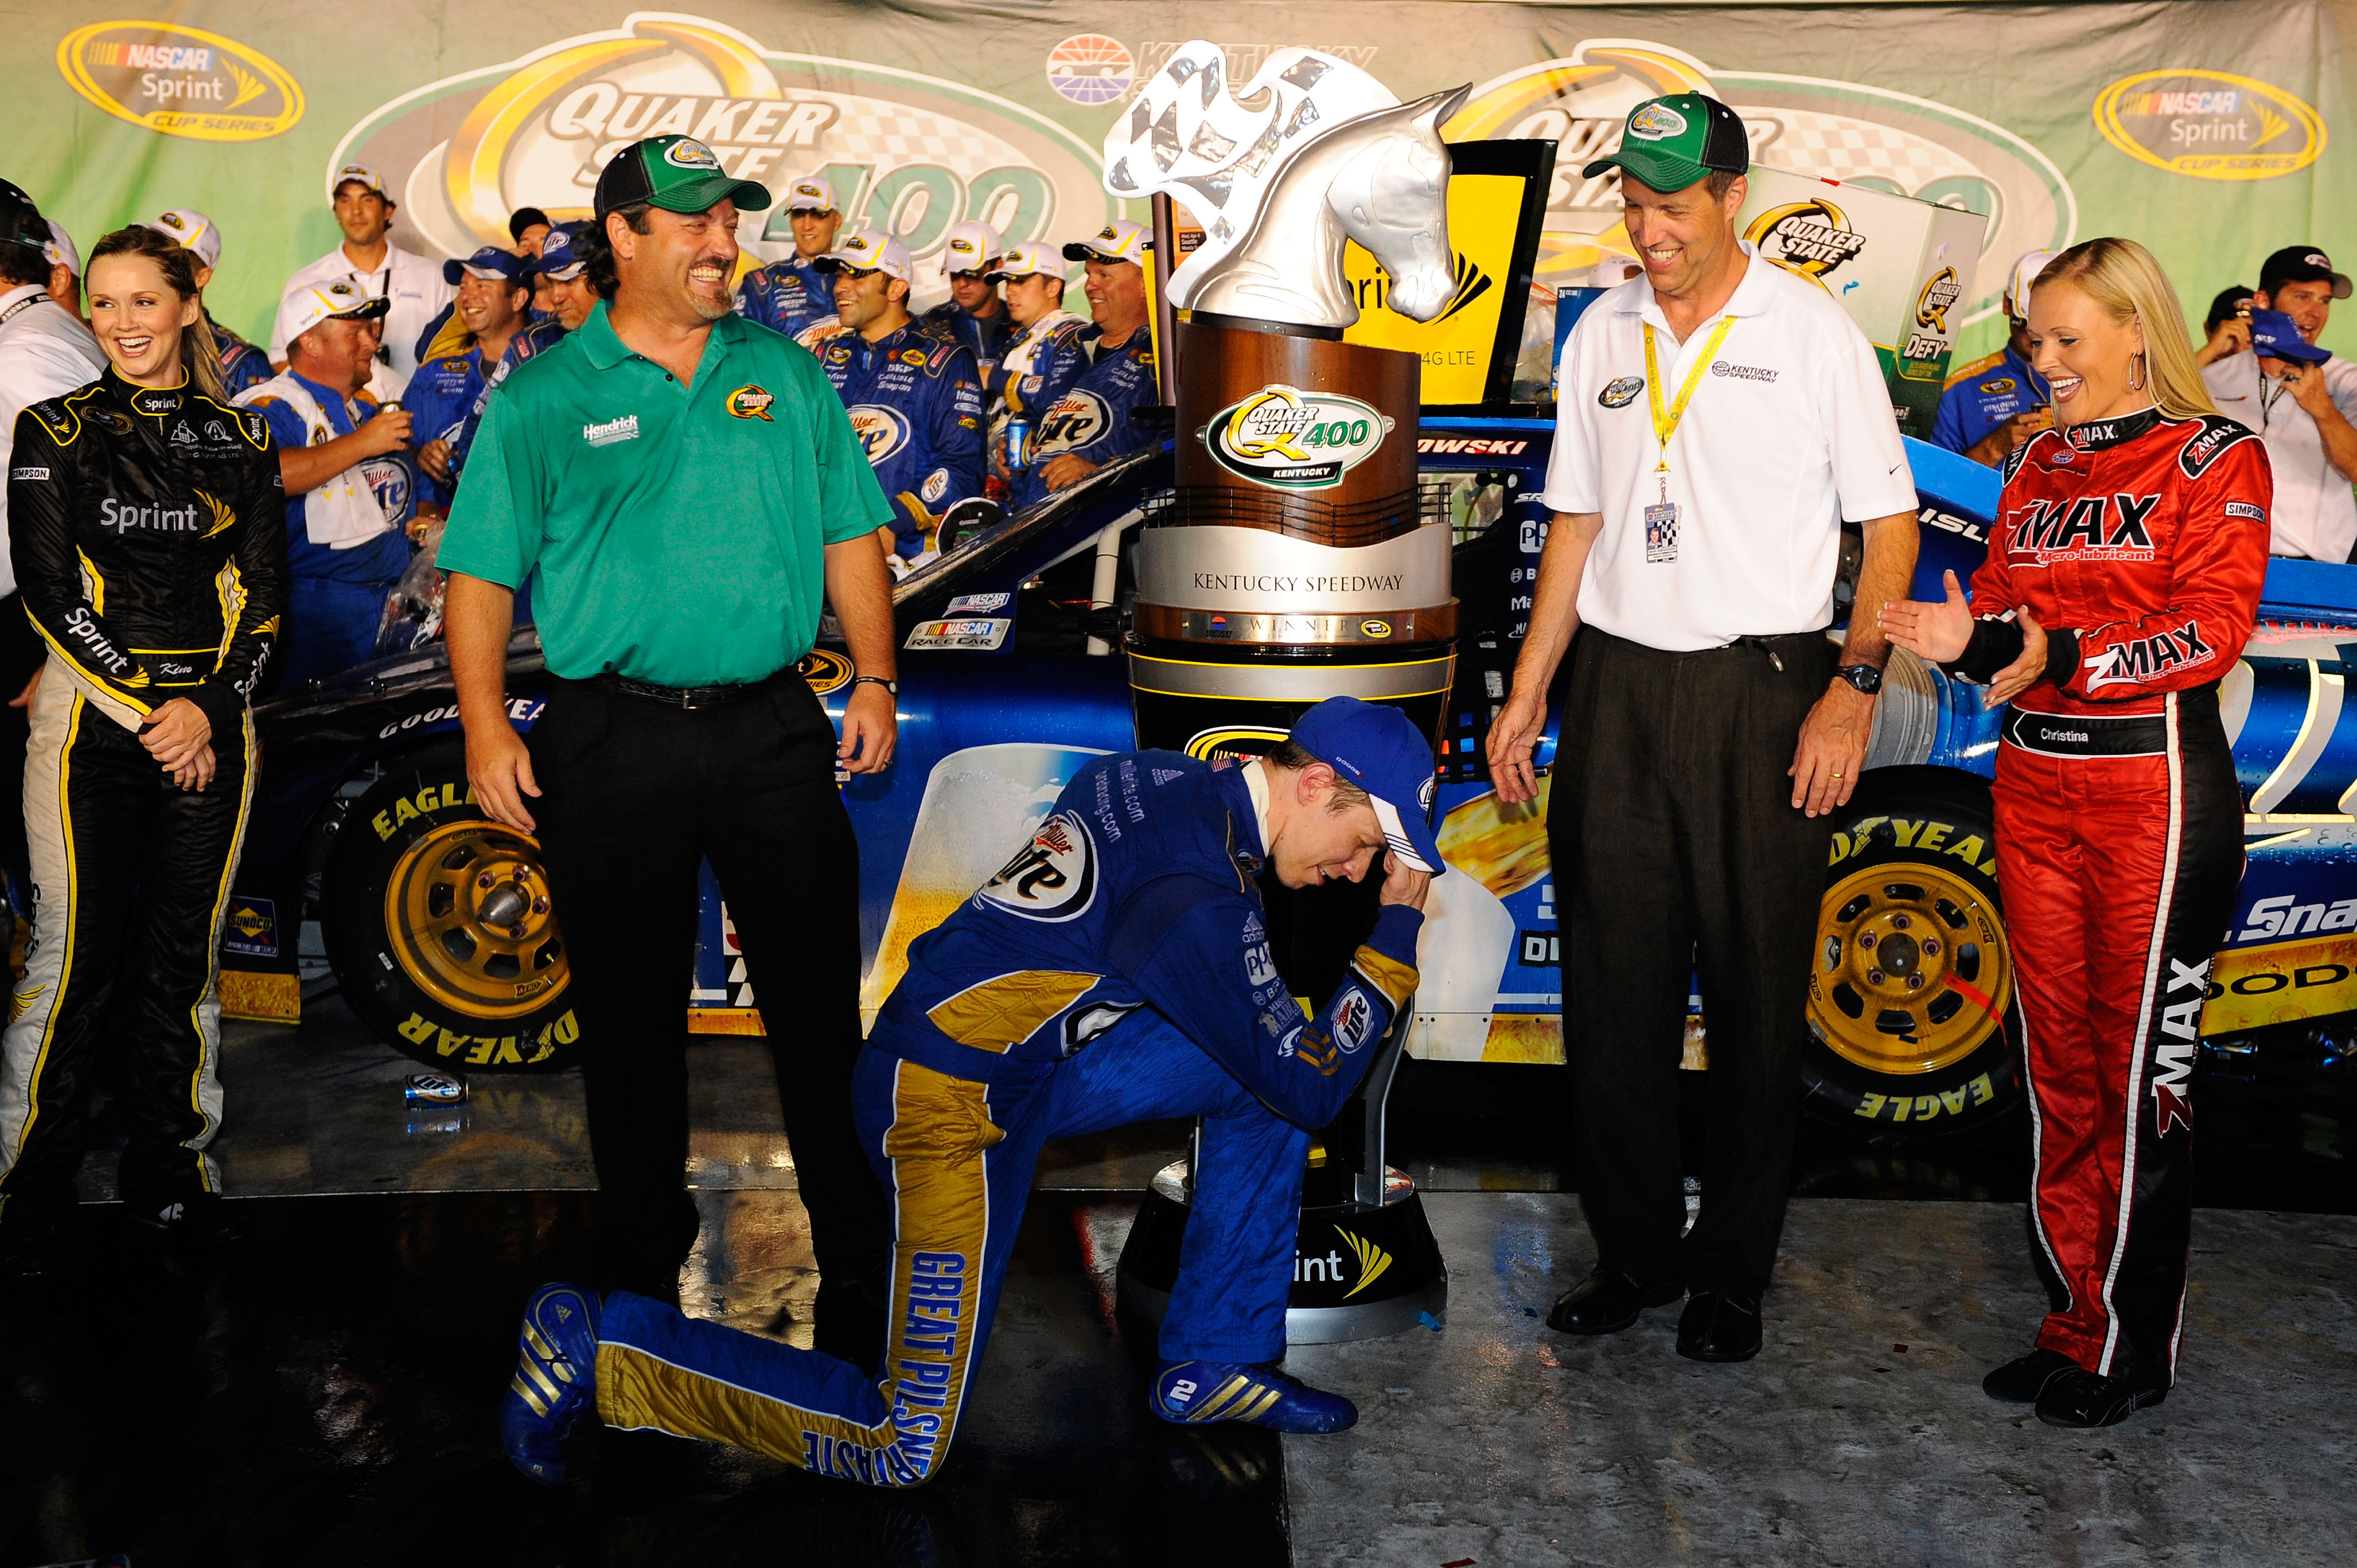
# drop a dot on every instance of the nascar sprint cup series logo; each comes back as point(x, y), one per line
point(1860, 134)
point(909, 153)
point(181, 81)
point(2209, 125)
point(1292, 440)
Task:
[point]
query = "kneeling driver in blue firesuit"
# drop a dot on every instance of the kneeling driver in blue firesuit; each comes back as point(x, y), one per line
point(1117, 970)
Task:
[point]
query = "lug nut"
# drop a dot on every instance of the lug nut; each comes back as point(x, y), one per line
point(540, 906)
point(1865, 939)
point(1931, 945)
point(1874, 977)
point(485, 881)
point(1900, 922)
point(1915, 983)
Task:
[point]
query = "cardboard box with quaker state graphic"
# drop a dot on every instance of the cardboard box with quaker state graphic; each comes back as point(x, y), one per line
point(1900, 267)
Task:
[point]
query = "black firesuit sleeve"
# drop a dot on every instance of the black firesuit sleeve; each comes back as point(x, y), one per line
point(1199, 954)
point(255, 601)
point(48, 571)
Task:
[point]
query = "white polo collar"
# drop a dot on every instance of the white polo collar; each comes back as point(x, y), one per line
point(1752, 296)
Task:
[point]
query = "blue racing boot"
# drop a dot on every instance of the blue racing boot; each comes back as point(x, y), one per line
point(1187, 1393)
point(556, 1377)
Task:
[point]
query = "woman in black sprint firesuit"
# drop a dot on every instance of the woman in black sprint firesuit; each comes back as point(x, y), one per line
point(148, 532)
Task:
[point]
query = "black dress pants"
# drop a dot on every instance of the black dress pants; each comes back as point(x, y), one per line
point(634, 795)
point(1677, 846)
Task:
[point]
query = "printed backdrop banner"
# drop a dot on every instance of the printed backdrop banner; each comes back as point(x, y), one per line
point(2211, 133)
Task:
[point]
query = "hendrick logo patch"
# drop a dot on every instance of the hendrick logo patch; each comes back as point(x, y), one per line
point(611, 431)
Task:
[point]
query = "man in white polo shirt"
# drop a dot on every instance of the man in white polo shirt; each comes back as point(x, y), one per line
point(412, 286)
point(2302, 400)
point(1719, 419)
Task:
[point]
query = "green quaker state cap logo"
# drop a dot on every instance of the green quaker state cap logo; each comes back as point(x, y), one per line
point(1292, 440)
point(1656, 122)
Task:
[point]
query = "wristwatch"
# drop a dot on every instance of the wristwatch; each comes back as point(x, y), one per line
point(1865, 677)
point(891, 687)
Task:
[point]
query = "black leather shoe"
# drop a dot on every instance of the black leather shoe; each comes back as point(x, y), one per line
point(2081, 1398)
point(2023, 1379)
point(199, 1225)
point(1606, 1302)
point(1718, 1327)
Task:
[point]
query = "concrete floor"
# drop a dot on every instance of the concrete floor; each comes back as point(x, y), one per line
point(1860, 1436)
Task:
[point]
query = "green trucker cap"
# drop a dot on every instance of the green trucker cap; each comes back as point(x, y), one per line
point(1670, 142)
point(678, 174)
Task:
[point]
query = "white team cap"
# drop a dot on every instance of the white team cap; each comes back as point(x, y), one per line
point(811, 193)
point(192, 230)
point(970, 247)
point(1029, 259)
point(61, 249)
point(869, 249)
point(2017, 287)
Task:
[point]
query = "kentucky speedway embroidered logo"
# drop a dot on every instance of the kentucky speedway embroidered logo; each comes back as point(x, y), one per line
point(751, 401)
point(1620, 393)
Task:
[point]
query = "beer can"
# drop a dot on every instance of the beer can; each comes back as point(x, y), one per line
point(1018, 442)
point(433, 1089)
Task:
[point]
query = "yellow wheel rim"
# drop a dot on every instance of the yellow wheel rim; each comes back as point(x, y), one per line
point(468, 911)
point(1911, 970)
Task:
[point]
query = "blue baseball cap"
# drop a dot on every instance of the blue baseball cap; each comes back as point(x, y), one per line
point(1380, 751)
point(2272, 334)
point(559, 252)
point(490, 261)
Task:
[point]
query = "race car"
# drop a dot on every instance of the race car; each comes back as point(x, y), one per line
point(442, 932)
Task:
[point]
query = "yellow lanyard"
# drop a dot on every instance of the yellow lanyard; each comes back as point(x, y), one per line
point(1666, 424)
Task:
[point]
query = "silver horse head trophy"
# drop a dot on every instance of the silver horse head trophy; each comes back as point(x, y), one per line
point(1313, 152)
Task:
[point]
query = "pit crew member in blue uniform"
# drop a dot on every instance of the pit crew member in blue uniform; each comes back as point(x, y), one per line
point(973, 314)
point(914, 398)
point(337, 454)
point(564, 277)
point(243, 366)
point(793, 294)
point(1048, 353)
point(1116, 969)
point(494, 293)
point(1090, 425)
point(1994, 404)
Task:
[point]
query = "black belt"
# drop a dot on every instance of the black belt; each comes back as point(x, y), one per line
point(689, 698)
point(2077, 735)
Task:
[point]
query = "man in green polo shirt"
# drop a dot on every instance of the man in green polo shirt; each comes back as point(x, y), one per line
point(684, 489)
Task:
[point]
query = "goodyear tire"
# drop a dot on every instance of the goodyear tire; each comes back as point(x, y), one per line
point(1911, 1010)
point(439, 926)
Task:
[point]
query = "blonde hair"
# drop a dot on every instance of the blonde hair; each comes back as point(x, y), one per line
point(200, 349)
point(2123, 279)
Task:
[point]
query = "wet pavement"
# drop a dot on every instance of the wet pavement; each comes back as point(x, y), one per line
point(330, 1398)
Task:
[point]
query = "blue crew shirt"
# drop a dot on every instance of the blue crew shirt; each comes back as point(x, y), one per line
point(377, 561)
point(787, 295)
point(1092, 420)
point(1983, 395)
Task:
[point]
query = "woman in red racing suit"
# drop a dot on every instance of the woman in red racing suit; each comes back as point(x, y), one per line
point(2120, 586)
